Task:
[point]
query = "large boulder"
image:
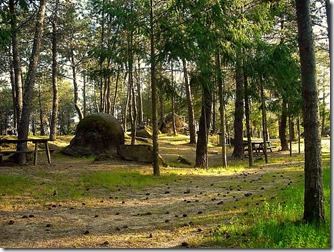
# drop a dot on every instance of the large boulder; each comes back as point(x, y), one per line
point(166, 125)
point(96, 134)
point(139, 152)
point(144, 132)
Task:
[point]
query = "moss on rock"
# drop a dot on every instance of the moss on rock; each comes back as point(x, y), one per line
point(96, 134)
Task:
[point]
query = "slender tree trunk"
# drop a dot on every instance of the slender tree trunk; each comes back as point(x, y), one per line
point(133, 108)
point(173, 104)
point(204, 126)
point(113, 111)
point(33, 125)
point(298, 130)
point(101, 80)
point(282, 127)
point(126, 109)
point(41, 120)
point(12, 82)
point(221, 108)
point(75, 87)
point(248, 129)
point(156, 168)
point(140, 97)
point(54, 113)
point(238, 151)
point(162, 102)
point(329, 27)
point(313, 196)
point(84, 100)
point(264, 122)
point(18, 102)
point(214, 131)
point(108, 96)
point(23, 127)
point(191, 117)
point(290, 135)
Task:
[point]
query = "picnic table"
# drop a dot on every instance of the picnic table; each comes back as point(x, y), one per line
point(36, 141)
point(257, 146)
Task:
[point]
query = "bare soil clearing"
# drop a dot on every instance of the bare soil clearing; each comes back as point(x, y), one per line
point(184, 208)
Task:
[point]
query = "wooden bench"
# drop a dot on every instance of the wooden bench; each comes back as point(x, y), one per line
point(35, 151)
point(257, 146)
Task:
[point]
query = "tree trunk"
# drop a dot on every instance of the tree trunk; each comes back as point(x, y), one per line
point(156, 168)
point(282, 127)
point(140, 98)
point(75, 87)
point(113, 111)
point(248, 130)
point(41, 120)
point(84, 100)
point(173, 104)
point(191, 117)
point(264, 122)
point(238, 151)
point(54, 113)
point(329, 27)
point(12, 83)
point(221, 108)
point(162, 102)
point(126, 109)
point(133, 107)
point(18, 102)
point(23, 129)
point(204, 126)
point(313, 196)
point(214, 131)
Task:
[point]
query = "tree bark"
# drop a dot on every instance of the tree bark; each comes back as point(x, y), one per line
point(329, 27)
point(75, 87)
point(282, 127)
point(133, 108)
point(18, 102)
point(23, 129)
point(54, 113)
point(156, 168)
point(173, 103)
point(248, 129)
point(41, 119)
point(221, 108)
point(239, 111)
point(264, 122)
point(140, 97)
point(113, 110)
point(191, 117)
point(204, 126)
point(313, 195)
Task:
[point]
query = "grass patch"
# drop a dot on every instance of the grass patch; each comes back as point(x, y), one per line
point(14, 184)
point(123, 179)
point(276, 224)
point(44, 186)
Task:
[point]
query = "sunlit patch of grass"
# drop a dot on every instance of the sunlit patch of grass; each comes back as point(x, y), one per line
point(46, 186)
point(277, 224)
point(114, 180)
point(14, 184)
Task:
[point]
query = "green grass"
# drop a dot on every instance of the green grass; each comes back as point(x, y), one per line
point(41, 186)
point(276, 225)
point(123, 179)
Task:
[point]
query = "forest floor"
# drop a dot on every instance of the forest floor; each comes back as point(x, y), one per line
point(181, 208)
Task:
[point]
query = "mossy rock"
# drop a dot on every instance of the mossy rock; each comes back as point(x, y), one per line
point(166, 125)
point(144, 132)
point(96, 134)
